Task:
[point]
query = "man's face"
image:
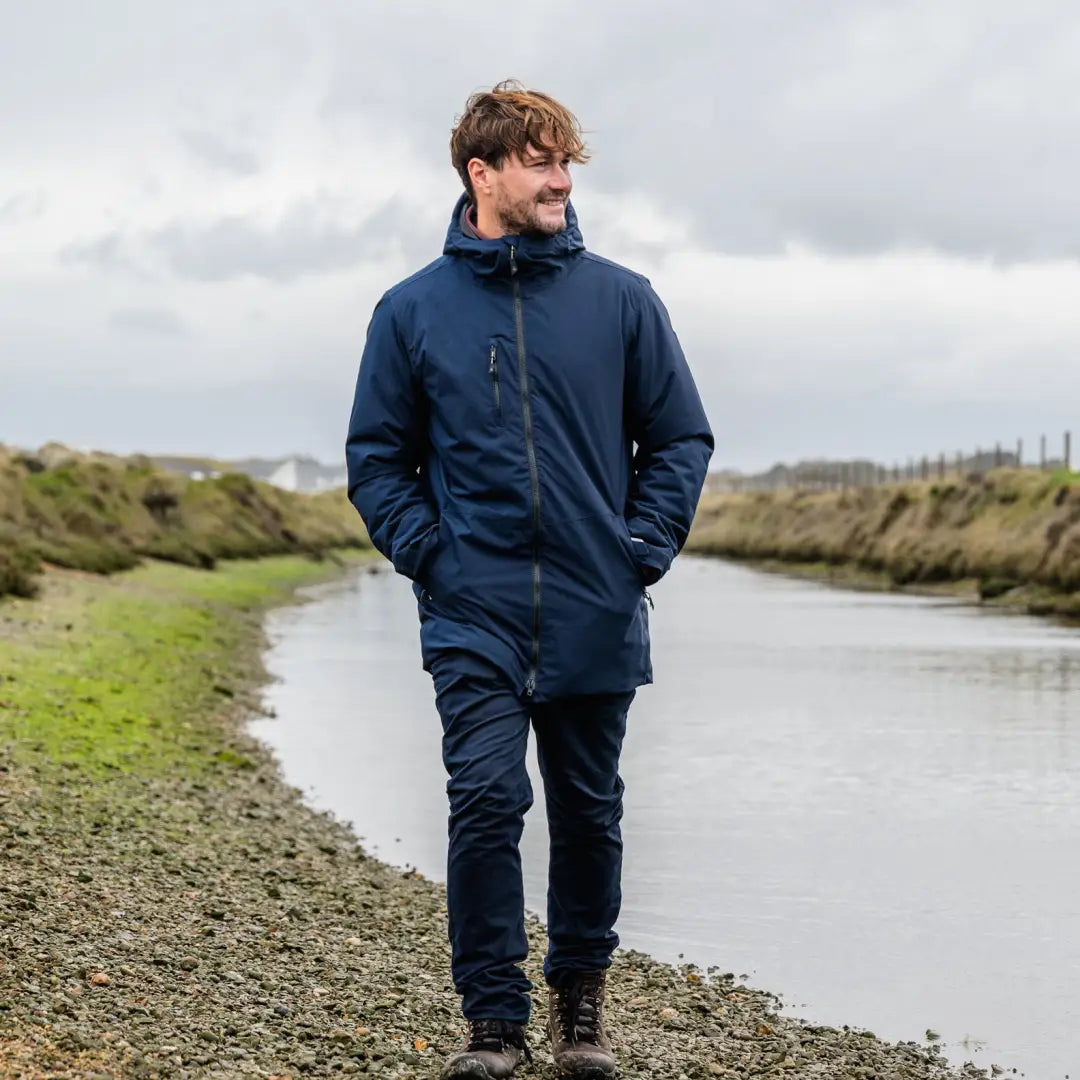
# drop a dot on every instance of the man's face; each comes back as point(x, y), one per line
point(529, 193)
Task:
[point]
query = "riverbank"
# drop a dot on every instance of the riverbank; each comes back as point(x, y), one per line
point(102, 513)
point(1009, 538)
point(170, 907)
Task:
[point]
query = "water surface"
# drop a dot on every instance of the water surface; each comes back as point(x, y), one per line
point(867, 803)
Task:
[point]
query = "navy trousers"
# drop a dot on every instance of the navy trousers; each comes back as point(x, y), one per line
point(578, 739)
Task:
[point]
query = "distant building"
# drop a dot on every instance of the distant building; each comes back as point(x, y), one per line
point(297, 473)
point(307, 475)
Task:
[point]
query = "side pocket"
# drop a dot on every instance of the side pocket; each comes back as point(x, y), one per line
point(493, 371)
point(412, 559)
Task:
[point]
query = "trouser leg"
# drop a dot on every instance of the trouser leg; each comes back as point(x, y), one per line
point(485, 733)
point(579, 740)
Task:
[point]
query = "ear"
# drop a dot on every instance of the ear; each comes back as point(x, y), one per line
point(480, 175)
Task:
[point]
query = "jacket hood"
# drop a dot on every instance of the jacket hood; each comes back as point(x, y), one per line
point(532, 254)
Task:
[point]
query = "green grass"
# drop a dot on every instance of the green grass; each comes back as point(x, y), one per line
point(133, 673)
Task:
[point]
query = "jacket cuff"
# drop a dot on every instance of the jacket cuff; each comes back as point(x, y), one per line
point(411, 559)
point(653, 562)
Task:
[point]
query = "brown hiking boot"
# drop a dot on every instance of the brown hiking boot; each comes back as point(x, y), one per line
point(579, 1043)
point(493, 1049)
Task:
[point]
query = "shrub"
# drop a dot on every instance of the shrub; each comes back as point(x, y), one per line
point(989, 588)
point(178, 549)
point(17, 569)
point(83, 553)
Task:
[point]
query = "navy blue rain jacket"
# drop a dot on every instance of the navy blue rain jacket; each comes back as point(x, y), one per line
point(491, 454)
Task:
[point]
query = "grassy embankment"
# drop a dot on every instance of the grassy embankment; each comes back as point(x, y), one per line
point(1010, 537)
point(103, 514)
point(170, 908)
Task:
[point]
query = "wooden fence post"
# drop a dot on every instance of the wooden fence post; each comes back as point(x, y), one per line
point(941, 466)
point(997, 455)
point(1068, 448)
point(1019, 453)
point(959, 462)
point(1042, 452)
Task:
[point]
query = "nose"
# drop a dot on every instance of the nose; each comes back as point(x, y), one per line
point(560, 179)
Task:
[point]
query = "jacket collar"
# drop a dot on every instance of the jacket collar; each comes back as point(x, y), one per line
point(532, 254)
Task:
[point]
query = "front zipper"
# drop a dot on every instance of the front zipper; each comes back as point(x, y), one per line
point(493, 371)
point(534, 473)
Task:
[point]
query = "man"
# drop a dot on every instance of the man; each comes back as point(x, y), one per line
point(491, 452)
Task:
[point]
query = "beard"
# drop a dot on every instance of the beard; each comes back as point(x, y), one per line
point(520, 217)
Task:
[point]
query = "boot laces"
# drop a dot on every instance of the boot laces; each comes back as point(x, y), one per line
point(579, 1006)
point(495, 1035)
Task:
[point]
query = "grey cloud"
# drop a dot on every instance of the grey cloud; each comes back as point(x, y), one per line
point(852, 125)
point(25, 206)
point(315, 236)
point(218, 154)
point(306, 240)
point(158, 322)
point(110, 251)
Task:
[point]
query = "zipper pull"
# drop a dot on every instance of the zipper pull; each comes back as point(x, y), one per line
point(513, 259)
point(530, 682)
point(493, 365)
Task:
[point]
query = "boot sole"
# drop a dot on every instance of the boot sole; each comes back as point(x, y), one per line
point(587, 1072)
point(466, 1071)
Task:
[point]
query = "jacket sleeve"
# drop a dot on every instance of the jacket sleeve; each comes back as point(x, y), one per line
point(674, 441)
point(385, 444)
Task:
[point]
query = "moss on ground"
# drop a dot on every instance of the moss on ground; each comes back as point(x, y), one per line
point(127, 674)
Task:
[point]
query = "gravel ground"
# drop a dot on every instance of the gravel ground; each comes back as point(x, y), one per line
point(216, 926)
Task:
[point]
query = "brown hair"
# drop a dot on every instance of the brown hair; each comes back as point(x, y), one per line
point(504, 120)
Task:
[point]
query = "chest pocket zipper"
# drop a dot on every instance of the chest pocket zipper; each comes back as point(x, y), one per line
point(493, 371)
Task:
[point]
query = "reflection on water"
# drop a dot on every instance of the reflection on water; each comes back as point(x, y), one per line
point(868, 803)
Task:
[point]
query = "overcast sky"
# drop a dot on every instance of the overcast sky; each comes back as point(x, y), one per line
point(863, 216)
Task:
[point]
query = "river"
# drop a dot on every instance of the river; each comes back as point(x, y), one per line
point(866, 803)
